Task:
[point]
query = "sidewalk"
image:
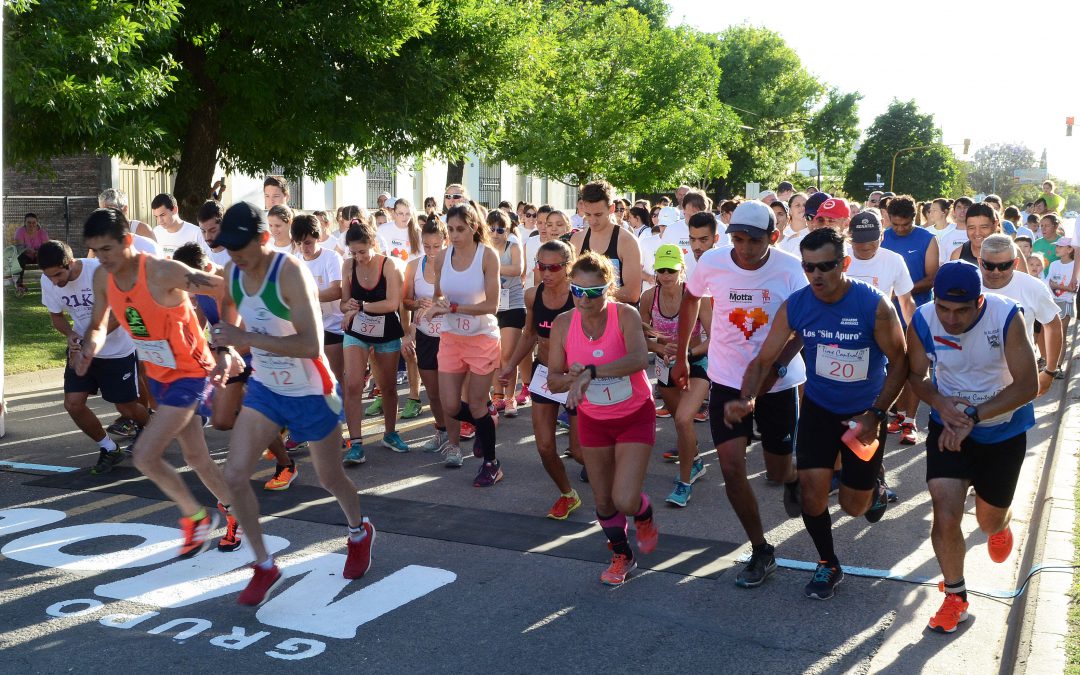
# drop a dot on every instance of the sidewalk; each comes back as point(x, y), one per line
point(38, 380)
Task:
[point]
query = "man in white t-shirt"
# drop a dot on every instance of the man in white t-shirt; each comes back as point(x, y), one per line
point(209, 217)
point(748, 282)
point(883, 269)
point(142, 235)
point(997, 263)
point(171, 232)
point(67, 285)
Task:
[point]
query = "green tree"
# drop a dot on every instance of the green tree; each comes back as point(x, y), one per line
point(928, 172)
point(315, 87)
point(832, 131)
point(623, 100)
point(992, 167)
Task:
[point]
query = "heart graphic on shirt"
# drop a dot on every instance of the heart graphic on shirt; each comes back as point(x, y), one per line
point(748, 321)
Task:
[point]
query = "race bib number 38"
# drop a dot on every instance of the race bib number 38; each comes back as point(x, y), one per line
point(842, 365)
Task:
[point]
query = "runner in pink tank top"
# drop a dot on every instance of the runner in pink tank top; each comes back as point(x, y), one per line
point(597, 354)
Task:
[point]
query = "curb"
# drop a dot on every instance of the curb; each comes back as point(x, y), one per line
point(37, 380)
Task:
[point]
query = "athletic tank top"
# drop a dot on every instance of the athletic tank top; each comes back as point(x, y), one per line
point(431, 327)
point(511, 290)
point(912, 248)
point(169, 341)
point(966, 254)
point(845, 368)
point(372, 327)
point(669, 326)
point(606, 397)
point(545, 317)
point(972, 366)
point(266, 312)
point(466, 288)
point(612, 251)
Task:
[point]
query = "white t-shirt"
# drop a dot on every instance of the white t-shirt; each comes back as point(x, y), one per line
point(577, 222)
point(77, 299)
point(170, 241)
point(1033, 295)
point(744, 305)
point(145, 245)
point(394, 243)
point(948, 240)
point(791, 240)
point(327, 269)
point(220, 258)
point(886, 271)
point(532, 247)
point(289, 248)
point(1061, 273)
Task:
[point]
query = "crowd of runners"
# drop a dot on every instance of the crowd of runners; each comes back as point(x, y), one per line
point(816, 325)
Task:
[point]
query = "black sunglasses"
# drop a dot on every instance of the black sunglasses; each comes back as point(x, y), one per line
point(531, 215)
point(827, 266)
point(498, 230)
point(996, 267)
point(454, 196)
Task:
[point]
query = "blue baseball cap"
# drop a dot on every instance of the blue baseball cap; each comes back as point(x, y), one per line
point(958, 281)
point(814, 201)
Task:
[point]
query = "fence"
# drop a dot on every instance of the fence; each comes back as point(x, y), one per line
point(61, 217)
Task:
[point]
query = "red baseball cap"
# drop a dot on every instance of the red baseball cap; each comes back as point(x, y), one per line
point(834, 208)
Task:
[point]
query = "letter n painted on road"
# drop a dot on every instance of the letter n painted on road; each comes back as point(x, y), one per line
point(308, 605)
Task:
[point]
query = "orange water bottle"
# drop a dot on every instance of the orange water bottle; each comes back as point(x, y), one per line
point(851, 438)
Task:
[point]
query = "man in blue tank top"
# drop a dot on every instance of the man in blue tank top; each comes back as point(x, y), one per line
point(984, 379)
point(855, 367)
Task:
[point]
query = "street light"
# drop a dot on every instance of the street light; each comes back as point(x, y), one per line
point(892, 174)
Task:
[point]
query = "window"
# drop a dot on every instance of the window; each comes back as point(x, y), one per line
point(490, 184)
point(296, 186)
point(543, 192)
point(527, 192)
point(571, 197)
point(381, 178)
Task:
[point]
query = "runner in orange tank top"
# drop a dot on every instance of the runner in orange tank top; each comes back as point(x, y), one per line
point(149, 297)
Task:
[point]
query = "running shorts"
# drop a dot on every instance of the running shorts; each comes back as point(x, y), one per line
point(819, 440)
point(776, 414)
point(117, 379)
point(636, 427)
point(992, 468)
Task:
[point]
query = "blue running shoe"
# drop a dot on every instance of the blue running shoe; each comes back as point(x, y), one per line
point(563, 420)
point(826, 578)
point(355, 455)
point(697, 470)
point(393, 441)
point(834, 484)
point(680, 496)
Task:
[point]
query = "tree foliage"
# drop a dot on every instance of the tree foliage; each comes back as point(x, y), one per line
point(926, 173)
point(992, 167)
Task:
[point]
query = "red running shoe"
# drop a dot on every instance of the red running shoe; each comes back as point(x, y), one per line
point(261, 586)
point(358, 561)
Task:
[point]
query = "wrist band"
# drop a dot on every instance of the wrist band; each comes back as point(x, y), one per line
point(592, 370)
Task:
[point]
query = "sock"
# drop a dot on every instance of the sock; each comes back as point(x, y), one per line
point(266, 564)
point(957, 588)
point(440, 429)
point(645, 512)
point(572, 494)
point(357, 534)
point(614, 527)
point(819, 528)
point(485, 436)
point(199, 515)
point(107, 444)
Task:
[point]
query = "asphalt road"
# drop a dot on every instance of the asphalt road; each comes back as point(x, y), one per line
point(469, 580)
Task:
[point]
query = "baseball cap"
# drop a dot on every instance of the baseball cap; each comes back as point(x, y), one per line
point(242, 222)
point(781, 202)
point(814, 201)
point(668, 257)
point(766, 193)
point(754, 218)
point(784, 186)
point(833, 208)
point(390, 201)
point(865, 227)
point(1064, 241)
point(958, 281)
point(669, 215)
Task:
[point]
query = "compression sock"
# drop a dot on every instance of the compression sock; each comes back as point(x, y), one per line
point(957, 588)
point(645, 512)
point(819, 528)
point(464, 415)
point(485, 436)
point(614, 527)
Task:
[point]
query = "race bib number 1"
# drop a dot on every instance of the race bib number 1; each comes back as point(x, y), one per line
point(842, 365)
point(609, 390)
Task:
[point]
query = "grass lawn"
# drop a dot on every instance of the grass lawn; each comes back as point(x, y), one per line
point(30, 341)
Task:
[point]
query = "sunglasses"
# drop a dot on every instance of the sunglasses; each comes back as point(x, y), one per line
point(827, 266)
point(996, 267)
point(498, 229)
point(531, 215)
point(588, 291)
point(557, 267)
point(666, 271)
point(453, 196)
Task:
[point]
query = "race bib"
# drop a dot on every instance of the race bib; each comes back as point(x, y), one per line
point(609, 390)
point(842, 365)
point(504, 299)
point(539, 385)
point(663, 371)
point(432, 326)
point(367, 325)
point(278, 372)
point(980, 397)
point(157, 352)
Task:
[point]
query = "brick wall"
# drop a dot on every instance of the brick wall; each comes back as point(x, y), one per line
point(75, 175)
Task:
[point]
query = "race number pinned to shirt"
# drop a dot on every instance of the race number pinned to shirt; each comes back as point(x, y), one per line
point(157, 352)
point(504, 299)
point(539, 385)
point(663, 371)
point(842, 365)
point(609, 390)
point(368, 325)
point(281, 373)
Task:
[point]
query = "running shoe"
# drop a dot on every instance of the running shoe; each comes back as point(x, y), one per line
point(231, 541)
point(646, 534)
point(106, 461)
point(197, 534)
point(999, 545)
point(283, 478)
point(680, 496)
point(826, 579)
point(896, 424)
point(375, 408)
point(262, 585)
point(510, 409)
point(268, 455)
point(358, 560)
point(436, 442)
point(564, 506)
point(562, 420)
point(701, 415)
point(454, 459)
point(123, 427)
point(468, 431)
point(952, 613)
point(523, 396)
point(129, 449)
point(393, 441)
point(793, 499)
point(880, 503)
point(412, 409)
point(293, 446)
point(489, 474)
point(620, 568)
point(762, 563)
point(697, 470)
point(891, 495)
point(908, 434)
point(494, 413)
point(671, 455)
point(355, 455)
point(834, 484)
point(663, 412)
point(498, 401)
point(402, 377)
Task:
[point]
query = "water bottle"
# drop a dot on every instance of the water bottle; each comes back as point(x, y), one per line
point(851, 438)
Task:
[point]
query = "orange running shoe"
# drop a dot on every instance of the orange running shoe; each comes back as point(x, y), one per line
point(896, 424)
point(283, 478)
point(620, 568)
point(663, 412)
point(231, 540)
point(647, 535)
point(467, 431)
point(564, 506)
point(953, 612)
point(197, 534)
point(999, 545)
point(908, 435)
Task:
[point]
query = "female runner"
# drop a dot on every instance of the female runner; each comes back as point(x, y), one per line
point(511, 314)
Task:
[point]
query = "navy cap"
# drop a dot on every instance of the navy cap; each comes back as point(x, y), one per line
point(242, 222)
point(958, 281)
point(814, 201)
point(865, 227)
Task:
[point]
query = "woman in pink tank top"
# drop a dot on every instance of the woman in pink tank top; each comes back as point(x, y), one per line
point(597, 354)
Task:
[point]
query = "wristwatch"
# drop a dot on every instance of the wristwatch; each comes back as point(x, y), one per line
point(972, 412)
point(781, 369)
point(878, 413)
point(592, 370)
point(1051, 373)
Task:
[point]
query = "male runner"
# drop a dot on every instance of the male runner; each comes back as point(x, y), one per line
point(171, 231)
point(855, 368)
point(149, 298)
point(291, 385)
point(984, 380)
point(606, 237)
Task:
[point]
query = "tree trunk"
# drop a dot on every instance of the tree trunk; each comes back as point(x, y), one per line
point(455, 172)
point(198, 158)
